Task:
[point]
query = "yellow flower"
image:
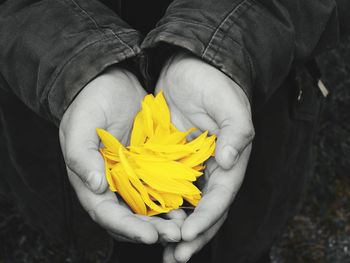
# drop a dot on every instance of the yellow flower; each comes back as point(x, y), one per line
point(155, 174)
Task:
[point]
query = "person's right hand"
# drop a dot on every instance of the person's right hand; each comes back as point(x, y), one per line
point(110, 102)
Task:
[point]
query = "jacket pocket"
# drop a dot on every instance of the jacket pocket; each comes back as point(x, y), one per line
point(310, 93)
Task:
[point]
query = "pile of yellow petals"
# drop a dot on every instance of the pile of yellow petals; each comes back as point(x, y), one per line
point(155, 174)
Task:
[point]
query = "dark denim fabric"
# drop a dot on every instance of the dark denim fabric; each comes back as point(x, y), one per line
point(50, 49)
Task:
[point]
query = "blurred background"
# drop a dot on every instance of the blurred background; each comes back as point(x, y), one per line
point(318, 233)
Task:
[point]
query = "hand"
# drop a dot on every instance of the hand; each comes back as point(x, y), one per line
point(201, 96)
point(110, 101)
point(183, 251)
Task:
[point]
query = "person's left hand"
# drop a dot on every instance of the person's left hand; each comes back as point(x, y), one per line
point(201, 96)
point(219, 196)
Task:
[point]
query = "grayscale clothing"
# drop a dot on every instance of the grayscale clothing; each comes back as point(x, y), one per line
point(50, 49)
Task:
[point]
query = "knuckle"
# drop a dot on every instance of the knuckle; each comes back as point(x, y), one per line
point(71, 160)
point(93, 215)
point(248, 132)
point(223, 188)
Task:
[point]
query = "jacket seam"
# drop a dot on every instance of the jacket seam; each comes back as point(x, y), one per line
point(159, 30)
point(188, 22)
point(121, 41)
point(99, 27)
point(163, 28)
point(235, 8)
point(58, 73)
point(165, 34)
point(87, 14)
point(219, 28)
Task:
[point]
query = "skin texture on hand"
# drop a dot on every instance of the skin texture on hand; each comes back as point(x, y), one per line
point(110, 102)
point(201, 96)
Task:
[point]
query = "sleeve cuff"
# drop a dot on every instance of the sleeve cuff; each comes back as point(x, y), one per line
point(221, 52)
point(84, 65)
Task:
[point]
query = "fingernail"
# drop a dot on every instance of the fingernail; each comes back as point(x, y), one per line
point(231, 153)
point(169, 239)
point(95, 181)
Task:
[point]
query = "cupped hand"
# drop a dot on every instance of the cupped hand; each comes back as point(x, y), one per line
point(110, 102)
point(199, 95)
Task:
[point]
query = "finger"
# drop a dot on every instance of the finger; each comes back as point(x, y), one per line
point(121, 238)
point(221, 189)
point(168, 230)
point(231, 111)
point(231, 142)
point(105, 210)
point(178, 216)
point(80, 146)
point(185, 250)
point(168, 254)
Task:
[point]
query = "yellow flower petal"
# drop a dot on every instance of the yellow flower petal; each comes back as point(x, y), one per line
point(138, 185)
point(162, 137)
point(147, 120)
point(156, 196)
point(152, 213)
point(173, 200)
point(155, 174)
point(109, 141)
point(110, 181)
point(174, 156)
point(169, 169)
point(168, 148)
point(169, 185)
point(192, 199)
point(199, 167)
point(127, 191)
point(138, 136)
point(156, 118)
point(110, 155)
point(146, 157)
point(202, 154)
point(197, 143)
point(163, 113)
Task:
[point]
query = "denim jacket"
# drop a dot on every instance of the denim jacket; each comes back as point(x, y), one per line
point(50, 49)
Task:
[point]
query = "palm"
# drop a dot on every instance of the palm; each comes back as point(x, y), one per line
point(190, 111)
point(200, 96)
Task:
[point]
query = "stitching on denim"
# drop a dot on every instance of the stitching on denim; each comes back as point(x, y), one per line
point(66, 63)
point(251, 66)
point(76, 54)
point(188, 22)
point(167, 32)
point(121, 41)
point(160, 30)
point(86, 13)
point(221, 25)
point(99, 27)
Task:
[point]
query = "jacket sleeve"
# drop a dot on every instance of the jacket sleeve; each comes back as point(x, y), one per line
point(255, 42)
point(50, 49)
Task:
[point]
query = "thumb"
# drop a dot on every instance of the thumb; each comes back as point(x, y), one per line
point(233, 138)
point(231, 112)
point(230, 109)
point(80, 147)
point(88, 164)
